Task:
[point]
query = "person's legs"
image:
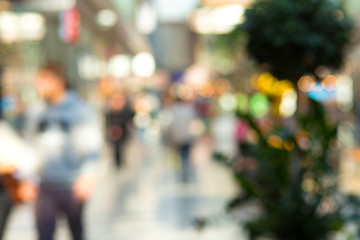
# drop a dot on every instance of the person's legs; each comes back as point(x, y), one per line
point(6, 204)
point(185, 162)
point(118, 146)
point(45, 211)
point(73, 210)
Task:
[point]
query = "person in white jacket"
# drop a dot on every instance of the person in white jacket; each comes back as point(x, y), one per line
point(17, 163)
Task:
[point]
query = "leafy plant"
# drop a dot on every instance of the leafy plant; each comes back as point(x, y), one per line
point(293, 38)
point(293, 182)
point(289, 168)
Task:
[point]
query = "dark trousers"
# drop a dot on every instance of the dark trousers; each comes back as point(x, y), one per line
point(118, 147)
point(50, 204)
point(185, 151)
point(6, 205)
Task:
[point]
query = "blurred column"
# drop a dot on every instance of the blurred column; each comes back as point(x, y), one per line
point(173, 41)
point(173, 46)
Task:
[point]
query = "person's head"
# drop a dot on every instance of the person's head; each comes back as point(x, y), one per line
point(117, 101)
point(51, 81)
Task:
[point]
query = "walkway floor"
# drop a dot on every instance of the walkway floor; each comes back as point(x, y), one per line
point(145, 199)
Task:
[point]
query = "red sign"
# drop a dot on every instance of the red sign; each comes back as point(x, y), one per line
point(70, 25)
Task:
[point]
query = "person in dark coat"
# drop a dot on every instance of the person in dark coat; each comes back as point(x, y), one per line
point(118, 118)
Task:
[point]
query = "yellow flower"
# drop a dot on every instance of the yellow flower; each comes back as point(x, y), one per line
point(275, 142)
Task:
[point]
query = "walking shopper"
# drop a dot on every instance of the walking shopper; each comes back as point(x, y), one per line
point(17, 162)
point(67, 137)
point(183, 115)
point(118, 118)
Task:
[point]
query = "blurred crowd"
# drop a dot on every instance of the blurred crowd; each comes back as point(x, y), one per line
point(50, 149)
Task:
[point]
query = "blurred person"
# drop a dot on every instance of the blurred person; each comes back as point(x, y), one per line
point(19, 119)
point(17, 162)
point(117, 119)
point(205, 109)
point(144, 109)
point(183, 115)
point(67, 137)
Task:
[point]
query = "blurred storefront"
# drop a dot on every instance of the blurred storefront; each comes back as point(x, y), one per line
point(84, 35)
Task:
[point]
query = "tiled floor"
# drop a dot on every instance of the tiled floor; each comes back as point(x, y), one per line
point(145, 199)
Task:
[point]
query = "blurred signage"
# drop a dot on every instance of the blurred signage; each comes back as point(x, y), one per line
point(45, 5)
point(70, 25)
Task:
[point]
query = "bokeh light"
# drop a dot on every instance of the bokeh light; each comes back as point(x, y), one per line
point(222, 86)
point(288, 103)
point(306, 83)
point(275, 142)
point(265, 83)
point(32, 26)
point(146, 21)
point(120, 66)
point(8, 27)
point(218, 20)
point(91, 68)
point(106, 18)
point(271, 86)
point(345, 134)
point(344, 93)
point(259, 105)
point(143, 65)
point(242, 102)
point(207, 89)
point(330, 83)
point(227, 102)
point(185, 92)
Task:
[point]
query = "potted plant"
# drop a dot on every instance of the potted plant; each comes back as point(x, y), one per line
point(289, 165)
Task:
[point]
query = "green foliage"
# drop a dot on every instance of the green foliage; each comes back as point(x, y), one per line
point(290, 170)
point(295, 37)
point(296, 186)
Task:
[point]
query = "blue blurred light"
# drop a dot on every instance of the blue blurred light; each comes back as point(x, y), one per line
point(320, 94)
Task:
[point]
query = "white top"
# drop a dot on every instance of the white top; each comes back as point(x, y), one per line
point(183, 115)
point(14, 151)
